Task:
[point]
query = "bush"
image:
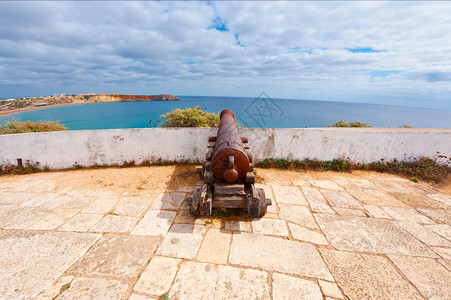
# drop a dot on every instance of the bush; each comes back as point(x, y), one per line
point(15, 126)
point(348, 124)
point(190, 117)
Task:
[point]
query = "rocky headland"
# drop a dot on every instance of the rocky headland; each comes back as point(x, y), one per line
point(21, 104)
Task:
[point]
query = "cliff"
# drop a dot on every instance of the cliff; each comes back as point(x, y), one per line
point(145, 97)
point(28, 103)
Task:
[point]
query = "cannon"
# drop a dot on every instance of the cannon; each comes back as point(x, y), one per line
point(228, 174)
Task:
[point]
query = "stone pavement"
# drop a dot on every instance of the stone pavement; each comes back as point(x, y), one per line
point(327, 236)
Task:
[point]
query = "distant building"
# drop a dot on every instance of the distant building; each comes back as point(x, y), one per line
point(87, 94)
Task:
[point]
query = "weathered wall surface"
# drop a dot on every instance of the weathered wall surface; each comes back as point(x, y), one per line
point(60, 150)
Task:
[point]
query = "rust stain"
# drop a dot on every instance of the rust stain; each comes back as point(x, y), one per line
point(269, 146)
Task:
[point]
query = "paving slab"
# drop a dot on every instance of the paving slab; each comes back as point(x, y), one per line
point(81, 222)
point(375, 197)
point(170, 201)
point(407, 214)
point(297, 214)
point(116, 255)
point(330, 289)
point(113, 223)
point(390, 186)
point(44, 186)
point(316, 200)
point(442, 229)
point(288, 195)
point(100, 206)
point(446, 263)
point(13, 216)
point(289, 287)
point(377, 212)
point(94, 288)
point(363, 183)
point(443, 252)
point(307, 235)
point(158, 276)
point(54, 219)
point(239, 226)
point(55, 289)
point(40, 199)
point(445, 199)
point(418, 200)
point(55, 202)
point(154, 222)
point(77, 201)
point(16, 198)
point(208, 281)
point(341, 199)
point(132, 206)
point(436, 214)
point(270, 227)
point(215, 247)
point(350, 212)
point(364, 276)
point(426, 236)
point(182, 241)
point(370, 235)
point(326, 184)
point(276, 254)
point(432, 279)
point(185, 217)
point(37, 260)
point(300, 182)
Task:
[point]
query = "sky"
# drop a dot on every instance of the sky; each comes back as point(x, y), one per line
point(396, 53)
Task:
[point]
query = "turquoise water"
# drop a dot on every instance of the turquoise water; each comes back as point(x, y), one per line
point(260, 112)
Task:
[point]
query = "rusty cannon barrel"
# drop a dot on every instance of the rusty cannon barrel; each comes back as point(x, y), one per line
point(230, 162)
point(228, 174)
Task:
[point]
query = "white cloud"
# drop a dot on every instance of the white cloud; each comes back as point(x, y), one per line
point(288, 49)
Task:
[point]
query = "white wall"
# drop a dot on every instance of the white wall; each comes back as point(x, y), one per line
point(60, 150)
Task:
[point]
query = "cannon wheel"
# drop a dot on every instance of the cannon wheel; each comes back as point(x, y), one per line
point(257, 202)
point(194, 202)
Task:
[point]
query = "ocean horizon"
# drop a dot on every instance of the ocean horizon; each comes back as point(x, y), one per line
point(250, 112)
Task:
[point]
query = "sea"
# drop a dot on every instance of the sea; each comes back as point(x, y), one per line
point(262, 111)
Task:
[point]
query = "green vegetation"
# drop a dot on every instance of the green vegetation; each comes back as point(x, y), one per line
point(221, 212)
point(414, 169)
point(190, 117)
point(348, 124)
point(64, 287)
point(15, 126)
point(27, 168)
point(166, 296)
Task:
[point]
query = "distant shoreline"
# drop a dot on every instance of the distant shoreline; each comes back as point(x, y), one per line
point(8, 112)
point(53, 101)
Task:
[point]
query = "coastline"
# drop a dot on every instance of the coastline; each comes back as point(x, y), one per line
point(8, 112)
point(84, 99)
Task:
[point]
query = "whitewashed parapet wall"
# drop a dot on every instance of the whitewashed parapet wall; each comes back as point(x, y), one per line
point(61, 150)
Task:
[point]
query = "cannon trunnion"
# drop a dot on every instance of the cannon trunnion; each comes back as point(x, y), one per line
point(228, 174)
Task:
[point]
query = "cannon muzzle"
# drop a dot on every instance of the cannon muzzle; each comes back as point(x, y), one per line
point(230, 162)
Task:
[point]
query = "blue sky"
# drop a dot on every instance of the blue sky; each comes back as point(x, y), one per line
point(375, 52)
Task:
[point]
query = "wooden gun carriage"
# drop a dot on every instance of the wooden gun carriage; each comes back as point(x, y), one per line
point(228, 174)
